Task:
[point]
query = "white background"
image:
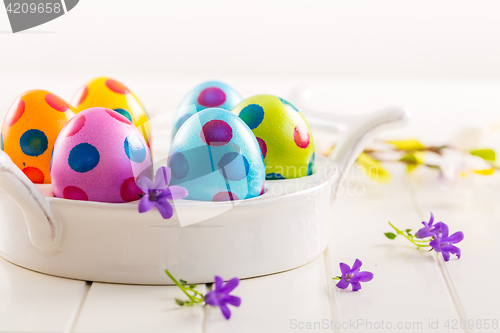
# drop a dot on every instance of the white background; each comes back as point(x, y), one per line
point(385, 38)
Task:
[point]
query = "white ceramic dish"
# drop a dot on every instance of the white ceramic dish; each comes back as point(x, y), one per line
point(286, 227)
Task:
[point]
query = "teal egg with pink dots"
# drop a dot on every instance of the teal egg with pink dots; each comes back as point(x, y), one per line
point(98, 156)
point(210, 94)
point(216, 157)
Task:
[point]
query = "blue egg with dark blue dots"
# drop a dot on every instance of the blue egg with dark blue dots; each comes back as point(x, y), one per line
point(179, 165)
point(211, 94)
point(216, 157)
point(234, 166)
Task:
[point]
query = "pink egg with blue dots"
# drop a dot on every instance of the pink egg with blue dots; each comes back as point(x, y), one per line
point(210, 94)
point(98, 156)
point(216, 157)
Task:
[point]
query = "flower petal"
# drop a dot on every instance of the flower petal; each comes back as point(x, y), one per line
point(178, 192)
point(162, 178)
point(165, 209)
point(423, 233)
point(357, 265)
point(211, 298)
point(164, 195)
point(230, 285)
point(436, 244)
point(225, 311)
point(168, 175)
point(441, 230)
point(344, 268)
point(145, 205)
point(452, 249)
point(446, 255)
point(342, 284)
point(233, 300)
point(431, 220)
point(144, 183)
point(363, 277)
point(218, 281)
point(457, 237)
point(356, 286)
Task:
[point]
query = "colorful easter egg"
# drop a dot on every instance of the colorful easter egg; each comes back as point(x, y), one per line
point(283, 135)
point(216, 157)
point(211, 94)
point(98, 156)
point(30, 129)
point(111, 94)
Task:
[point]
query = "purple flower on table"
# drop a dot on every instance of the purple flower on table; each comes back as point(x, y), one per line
point(432, 235)
point(352, 276)
point(157, 193)
point(444, 243)
point(220, 295)
point(429, 230)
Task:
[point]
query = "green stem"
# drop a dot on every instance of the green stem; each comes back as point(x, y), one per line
point(197, 293)
point(184, 290)
point(399, 232)
point(422, 241)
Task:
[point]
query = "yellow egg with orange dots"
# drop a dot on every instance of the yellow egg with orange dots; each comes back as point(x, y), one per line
point(111, 94)
point(30, 129)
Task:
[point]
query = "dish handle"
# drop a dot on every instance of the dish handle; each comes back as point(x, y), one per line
point(44, 228)
point(356, 131)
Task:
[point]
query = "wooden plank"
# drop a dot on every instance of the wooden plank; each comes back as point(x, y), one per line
point(408, 292)
point(283, 302)
point(145, 309)
point(476, 213)
point(35, 302)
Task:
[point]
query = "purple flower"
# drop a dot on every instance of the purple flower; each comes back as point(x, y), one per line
point(158, 193)
point(353, 276)
point(429, 230)
point(220, 295)
point(444, 243)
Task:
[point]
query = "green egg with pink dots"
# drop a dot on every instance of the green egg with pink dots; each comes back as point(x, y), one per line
point(282, 133)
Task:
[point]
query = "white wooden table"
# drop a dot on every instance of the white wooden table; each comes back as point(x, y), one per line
point(412, 291)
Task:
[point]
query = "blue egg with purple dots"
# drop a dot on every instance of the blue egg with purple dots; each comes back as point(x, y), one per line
point(210, 94)
point(216, 157)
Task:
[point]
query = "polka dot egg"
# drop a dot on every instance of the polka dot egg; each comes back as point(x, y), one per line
point(30, 129)
point(216, 157)
point(111, 94)
point(283, 135)
point(98, 156)
point(211, 94)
